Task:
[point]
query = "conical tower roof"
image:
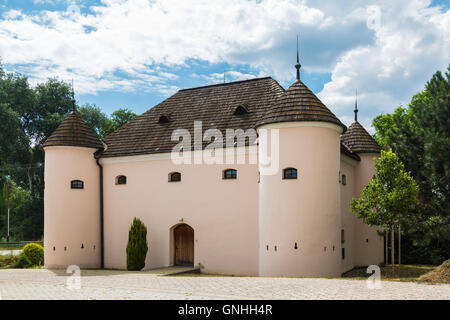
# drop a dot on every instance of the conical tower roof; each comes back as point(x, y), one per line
point(299, 103)
point(73, 132)
point(358, 140)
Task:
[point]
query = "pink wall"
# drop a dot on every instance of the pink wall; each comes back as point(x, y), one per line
point(223, 213)
point(234, 220)
point(305, 210)
point(348, 218)
point(71, 216)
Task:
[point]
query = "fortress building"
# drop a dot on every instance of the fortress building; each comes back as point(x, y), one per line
point(237, 217)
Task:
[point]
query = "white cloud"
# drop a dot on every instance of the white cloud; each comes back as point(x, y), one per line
point(412, 42)
point(120, 36)
point(121, 45)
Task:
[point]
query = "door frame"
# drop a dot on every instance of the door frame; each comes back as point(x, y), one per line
point(172, 250)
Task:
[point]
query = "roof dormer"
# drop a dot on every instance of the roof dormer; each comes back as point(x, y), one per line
point(240, 110)
point(163, 119)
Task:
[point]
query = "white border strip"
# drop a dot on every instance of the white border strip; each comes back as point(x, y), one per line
point(167, 155)
point(295, 124)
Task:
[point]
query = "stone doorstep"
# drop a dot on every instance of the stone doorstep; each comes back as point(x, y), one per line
point(169, 271)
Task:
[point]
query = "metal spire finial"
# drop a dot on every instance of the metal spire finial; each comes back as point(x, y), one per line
point(298, 65)
point(356, 106)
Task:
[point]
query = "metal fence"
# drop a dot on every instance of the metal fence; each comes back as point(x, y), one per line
point(19, 243)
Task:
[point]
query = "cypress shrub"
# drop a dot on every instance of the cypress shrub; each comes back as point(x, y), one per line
point(137, 245)
point(35, 253)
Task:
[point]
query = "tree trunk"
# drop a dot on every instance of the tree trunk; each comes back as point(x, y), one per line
point(30, 173)
point(7, 206)
point(386, 246)
point(399, 250)
point(392, 249)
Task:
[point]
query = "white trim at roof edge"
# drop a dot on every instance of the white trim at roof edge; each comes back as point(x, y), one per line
point(167, 156)
point(70, 147)
point(295, 124)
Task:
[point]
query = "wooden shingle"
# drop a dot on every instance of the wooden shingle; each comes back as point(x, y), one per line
point(358, 140)
point(299, 103)
point(214, 105)
point(73, 132)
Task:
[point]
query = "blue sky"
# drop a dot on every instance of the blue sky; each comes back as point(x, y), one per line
point(136, 53)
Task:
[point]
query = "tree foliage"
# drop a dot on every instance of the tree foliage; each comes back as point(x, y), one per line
point(420, 136)
point(388, 198)
point(29, 116)
point(95, 118)
point(119, 118)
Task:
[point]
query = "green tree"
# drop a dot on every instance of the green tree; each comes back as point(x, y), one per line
point(420, 136)
point(388, 198)
point(137, 245)
point(29, 116)
point(119, 118)
point(95, 119)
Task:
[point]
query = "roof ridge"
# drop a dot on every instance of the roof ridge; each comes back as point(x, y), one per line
point(226, 83)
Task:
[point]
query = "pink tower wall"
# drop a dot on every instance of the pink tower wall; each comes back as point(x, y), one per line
point(305, 210)
point(71, 216)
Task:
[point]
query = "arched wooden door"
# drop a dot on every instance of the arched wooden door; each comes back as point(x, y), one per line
point(184, 245)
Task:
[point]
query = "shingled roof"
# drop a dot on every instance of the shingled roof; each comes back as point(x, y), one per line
point(214, 105)
point(299, 103)
point(358, 140)
point(74, 132)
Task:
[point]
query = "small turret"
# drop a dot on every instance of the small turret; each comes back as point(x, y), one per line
point(72, 196)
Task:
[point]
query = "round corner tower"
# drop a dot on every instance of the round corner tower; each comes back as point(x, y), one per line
point(72, 196)
point(299, 199)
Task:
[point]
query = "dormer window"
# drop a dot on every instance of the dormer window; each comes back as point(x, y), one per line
point(121, 180)
point(290, 173)
point(240, 110)
point(174, 177)
point(76, 184)
point(229, 174)
point(163, 119)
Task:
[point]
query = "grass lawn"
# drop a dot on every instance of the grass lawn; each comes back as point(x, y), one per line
point(407, 272)
point(8, 261)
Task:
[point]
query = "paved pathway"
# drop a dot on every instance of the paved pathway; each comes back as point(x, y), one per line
point(101, 284)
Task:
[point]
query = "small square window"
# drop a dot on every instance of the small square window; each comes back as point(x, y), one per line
point(76, 184)
point(121, 180)
point(290, 173)
point(174, 177)
point(230, 174)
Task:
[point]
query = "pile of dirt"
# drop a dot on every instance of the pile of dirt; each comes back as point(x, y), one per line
point(439, 275)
